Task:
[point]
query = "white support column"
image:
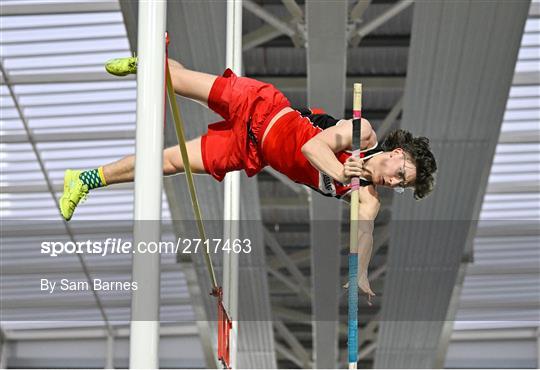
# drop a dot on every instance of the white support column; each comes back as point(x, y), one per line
point(144, 335)
point(231, 211)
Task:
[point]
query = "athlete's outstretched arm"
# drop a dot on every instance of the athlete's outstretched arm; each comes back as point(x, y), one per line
point(321, 149)
point(367, 212)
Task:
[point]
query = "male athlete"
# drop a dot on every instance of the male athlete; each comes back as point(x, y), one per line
point(260, 128)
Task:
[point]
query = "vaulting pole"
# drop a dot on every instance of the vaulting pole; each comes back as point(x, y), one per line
point(144, 333)
point(353, 248)
point(231, 214)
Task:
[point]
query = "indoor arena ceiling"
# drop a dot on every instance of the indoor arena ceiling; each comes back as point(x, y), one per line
point(61, 110)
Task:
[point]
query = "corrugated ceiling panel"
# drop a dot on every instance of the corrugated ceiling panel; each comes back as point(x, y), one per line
point(452, 98)
point(75, 124)
point(501, 287)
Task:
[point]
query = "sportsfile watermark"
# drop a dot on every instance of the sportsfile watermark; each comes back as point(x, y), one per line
point(111, 246)
point(64, 271)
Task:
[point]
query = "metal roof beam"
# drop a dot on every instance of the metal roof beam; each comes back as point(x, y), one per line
point(184, 329)
point(288, 314)
point(73, 302)
point(57, 187)
point(268, 17)
point(494, 334)
point(63, 268)
point(58, 39)
point(77, 22)
point(534, 11)
point(293, 286)
point(11, 228)
point(367, 350)
point(296, 257)
point(297, 188)
point(58, 7)
point(381, 237)
point(66, 50)
point(44, 78)
point(283, 351)
point(287, 262)
point(390, 119)
point(282, 82)
point(526, 78)
point(507, 228)
point(293, 8)
point(507, 269)
point(259, 36)
point(69, 136)
point(513, 187)
point(298, 349)
point(356, 34)
point(522, 137)
point(358, 10)
point(390, 41)
point(496, 305)
point(369, 83)
point(297, 35)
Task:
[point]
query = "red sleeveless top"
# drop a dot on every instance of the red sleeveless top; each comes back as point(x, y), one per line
point(282, 150)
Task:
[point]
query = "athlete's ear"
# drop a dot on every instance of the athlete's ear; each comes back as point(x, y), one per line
point(396, 151)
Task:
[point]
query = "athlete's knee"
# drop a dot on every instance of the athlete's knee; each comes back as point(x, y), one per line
point(174, 64)
point(172, 164)
point(169, 168)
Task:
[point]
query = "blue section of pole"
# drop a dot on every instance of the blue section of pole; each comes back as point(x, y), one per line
point(353, 308)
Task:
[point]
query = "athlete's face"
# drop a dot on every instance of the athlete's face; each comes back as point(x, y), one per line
point(394, 169)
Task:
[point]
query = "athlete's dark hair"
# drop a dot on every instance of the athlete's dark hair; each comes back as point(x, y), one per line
point(419, 152)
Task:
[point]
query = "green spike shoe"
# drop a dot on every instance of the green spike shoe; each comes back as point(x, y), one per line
point(75, 191)
point(122, 66)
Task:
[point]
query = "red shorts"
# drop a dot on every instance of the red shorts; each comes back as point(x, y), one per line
point(247, 107)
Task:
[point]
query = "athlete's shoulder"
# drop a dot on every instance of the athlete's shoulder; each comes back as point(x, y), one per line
point(369, 136)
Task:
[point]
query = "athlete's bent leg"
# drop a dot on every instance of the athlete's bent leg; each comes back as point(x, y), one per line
point(191, 84)
point(123, 170)
point(173, 163)
point(187, 83)
point(77, 184)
